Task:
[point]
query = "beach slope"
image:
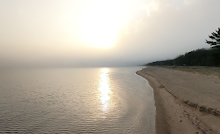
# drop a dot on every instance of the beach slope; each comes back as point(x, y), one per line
point(186, 102)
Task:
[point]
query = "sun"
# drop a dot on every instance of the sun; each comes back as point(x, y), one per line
point(101, 23)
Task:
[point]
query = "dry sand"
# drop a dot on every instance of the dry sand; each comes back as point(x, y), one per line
point(186, 102)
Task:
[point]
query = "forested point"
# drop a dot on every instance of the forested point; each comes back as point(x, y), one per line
point(199, 57)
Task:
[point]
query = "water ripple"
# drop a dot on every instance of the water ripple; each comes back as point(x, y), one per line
point(92, 100)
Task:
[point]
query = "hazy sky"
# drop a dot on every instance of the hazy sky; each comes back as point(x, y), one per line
point(103, 32)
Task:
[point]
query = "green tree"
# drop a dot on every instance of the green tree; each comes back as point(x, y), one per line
point(215, 43)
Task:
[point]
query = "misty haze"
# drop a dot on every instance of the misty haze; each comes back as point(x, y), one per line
point(102, 33)
point(109, 66)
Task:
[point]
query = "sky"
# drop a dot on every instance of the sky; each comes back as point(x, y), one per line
point(75, 33)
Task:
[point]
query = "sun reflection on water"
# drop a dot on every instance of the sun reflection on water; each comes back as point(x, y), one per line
point(104, 90)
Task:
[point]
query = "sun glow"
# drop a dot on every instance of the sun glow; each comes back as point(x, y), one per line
point(101, 23)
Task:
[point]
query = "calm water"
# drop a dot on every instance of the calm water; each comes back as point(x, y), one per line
point(75, 100)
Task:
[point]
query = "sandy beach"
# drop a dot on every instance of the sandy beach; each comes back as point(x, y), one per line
point(187, 100)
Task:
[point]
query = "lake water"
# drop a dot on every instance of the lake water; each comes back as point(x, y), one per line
point(76, 101)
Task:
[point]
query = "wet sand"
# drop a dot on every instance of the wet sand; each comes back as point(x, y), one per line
point(186, 102)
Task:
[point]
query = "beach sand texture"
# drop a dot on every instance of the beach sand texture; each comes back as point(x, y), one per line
point(186, 102)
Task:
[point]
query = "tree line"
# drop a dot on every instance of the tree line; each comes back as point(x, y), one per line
point(199, 57)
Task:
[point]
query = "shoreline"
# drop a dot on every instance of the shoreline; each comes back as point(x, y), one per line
point(160, 111)
point(173, 113)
